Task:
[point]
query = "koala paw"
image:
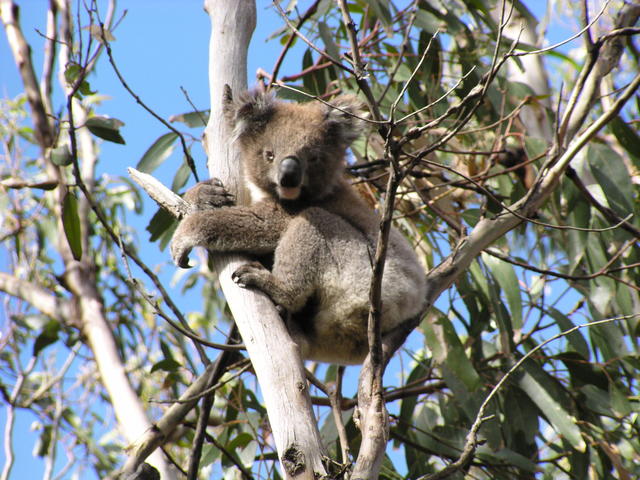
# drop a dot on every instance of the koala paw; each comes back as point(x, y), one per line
point(250, 275)
point(209, 194)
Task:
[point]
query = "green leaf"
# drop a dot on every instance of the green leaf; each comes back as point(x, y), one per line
point(575, 339)
point(628, 138)
point(157, 153)
point(106, 128)
point(597, 400)
point(71, 224)
point(166, 365)
point(327, 38)
point(427, 21)
point(199, 118)
point(71, 73)
point(161, 224)
point(523, 418)
point(507, 456)
point(534, 146)
point(613, 177)
point(540, 389)
point(48, 336)
point(166, 350)
point(85, 89)
point(61, 156)
point(181, 177)
point(382, 13)
point(581, 371)
point(447, 349)
point(610, 340)
point(210, 454)
point(43, 443)
point(506, 277)
point(619, 402)
point(471, 216)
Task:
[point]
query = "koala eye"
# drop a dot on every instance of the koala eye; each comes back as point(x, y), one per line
point(314, 159)
point(269, 156)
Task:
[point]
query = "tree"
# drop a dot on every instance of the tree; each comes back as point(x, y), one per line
point(519, 195)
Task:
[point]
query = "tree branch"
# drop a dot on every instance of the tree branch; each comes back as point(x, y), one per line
point(39, 298)
point(10, 14)
point(276, 359)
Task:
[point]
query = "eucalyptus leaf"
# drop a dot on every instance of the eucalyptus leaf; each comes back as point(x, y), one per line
point(71, 225)
point(167, 365)
point(542, 393)
point(199, 118)
point(575, 339)
point(157, 153)
point(48, 336)
point(327, 38)
point(506, 277)
point(61, 156)
point(106, 128)
point(181, 177)
point(628, 138)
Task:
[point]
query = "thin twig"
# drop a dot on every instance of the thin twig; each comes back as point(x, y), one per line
point(412, 76)
point(329, 104)
point(276, 68)
point(335, 398)
point(201, 430)
point(406, 41)
point(359, 73)
point(299, 34)
point(604, 270)
point(567, 40)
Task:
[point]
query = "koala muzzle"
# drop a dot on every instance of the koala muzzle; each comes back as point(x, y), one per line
point(289, 178)
point(289, 172)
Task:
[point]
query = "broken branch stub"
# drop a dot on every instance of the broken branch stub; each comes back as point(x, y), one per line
point(163, 196)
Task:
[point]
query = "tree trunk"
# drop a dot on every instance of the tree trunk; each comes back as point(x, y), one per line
point(276, 359)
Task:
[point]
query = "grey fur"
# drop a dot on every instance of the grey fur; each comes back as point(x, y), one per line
point(320, 232)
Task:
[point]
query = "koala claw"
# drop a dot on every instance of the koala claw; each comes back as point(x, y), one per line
point(249, 274)
point(180, 254)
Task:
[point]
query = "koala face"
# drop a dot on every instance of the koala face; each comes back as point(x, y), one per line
point(292, 151)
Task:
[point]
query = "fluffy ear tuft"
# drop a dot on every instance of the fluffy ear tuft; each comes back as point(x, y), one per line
point(346, 116)
point(249, 112)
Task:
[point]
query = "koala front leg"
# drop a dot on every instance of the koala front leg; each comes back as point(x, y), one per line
point(254, 229)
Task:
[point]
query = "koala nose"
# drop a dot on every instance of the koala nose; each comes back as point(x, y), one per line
point(290, 172)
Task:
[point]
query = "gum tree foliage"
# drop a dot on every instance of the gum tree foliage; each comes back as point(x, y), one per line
point(533, 347)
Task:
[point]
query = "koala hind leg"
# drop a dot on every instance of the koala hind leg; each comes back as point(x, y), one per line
point(255, 275)
point(209, 194)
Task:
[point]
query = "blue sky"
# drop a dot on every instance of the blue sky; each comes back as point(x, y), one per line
point(161, 46)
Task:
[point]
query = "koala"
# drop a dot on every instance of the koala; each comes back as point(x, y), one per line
point(305, 214)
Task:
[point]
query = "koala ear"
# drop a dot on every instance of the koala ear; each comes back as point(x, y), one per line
point(249, 112)
point(345, 116)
